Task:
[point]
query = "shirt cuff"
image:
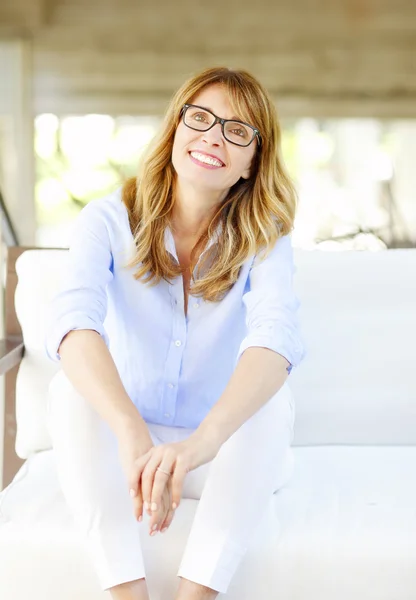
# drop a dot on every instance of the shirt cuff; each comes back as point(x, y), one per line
point(293, 352)
point(70, 322)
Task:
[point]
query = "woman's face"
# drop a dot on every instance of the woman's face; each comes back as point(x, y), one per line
point(191, 148)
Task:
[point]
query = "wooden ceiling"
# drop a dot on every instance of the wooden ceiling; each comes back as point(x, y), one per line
point(317, 57)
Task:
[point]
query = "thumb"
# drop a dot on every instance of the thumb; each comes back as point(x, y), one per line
point(136, 472)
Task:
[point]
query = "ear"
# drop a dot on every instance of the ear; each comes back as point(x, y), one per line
point(246, 174)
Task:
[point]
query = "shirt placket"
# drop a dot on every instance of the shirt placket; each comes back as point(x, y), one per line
point(177, 341)
point(175, 352)
point(178, 336)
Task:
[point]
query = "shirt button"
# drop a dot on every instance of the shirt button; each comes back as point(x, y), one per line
point(170, 385)
point(178, 343)
point(196, 305)
point(167, 415)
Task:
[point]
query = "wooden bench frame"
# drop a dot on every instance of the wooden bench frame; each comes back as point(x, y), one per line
point(11, 353)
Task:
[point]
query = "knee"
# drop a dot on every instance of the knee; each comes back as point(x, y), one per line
point(279, 409)
point(60, 385)
point(64, 402)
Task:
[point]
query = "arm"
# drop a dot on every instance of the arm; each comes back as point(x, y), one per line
point(76, 333)
point(259, 375)
point(89, 366)
point(272, 344)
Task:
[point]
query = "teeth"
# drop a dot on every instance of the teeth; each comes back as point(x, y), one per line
point(206, 159)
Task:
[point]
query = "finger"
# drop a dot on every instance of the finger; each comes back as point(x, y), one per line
point(160, 481)
point(135, 474)
point(137, 495)
point(147, 478)
point(170, 513)
point(178, 478)
point(159, 516)
point(168, 520)
point(138, 505)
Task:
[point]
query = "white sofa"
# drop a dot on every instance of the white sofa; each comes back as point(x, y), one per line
point(343, 527)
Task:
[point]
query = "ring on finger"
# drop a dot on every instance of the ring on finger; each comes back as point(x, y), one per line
point(163, 471)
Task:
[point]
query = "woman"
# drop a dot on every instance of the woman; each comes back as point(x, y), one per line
point(186, 276)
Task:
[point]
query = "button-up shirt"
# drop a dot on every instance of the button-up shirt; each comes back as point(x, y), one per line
point(173, 366)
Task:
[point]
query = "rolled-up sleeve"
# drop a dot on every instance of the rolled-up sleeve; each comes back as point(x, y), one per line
point(81, 302)
point(271, 305)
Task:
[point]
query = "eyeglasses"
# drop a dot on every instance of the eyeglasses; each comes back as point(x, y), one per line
point(236, 132)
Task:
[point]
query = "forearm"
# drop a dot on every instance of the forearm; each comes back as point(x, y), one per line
point(89, 366)
point(259, 374)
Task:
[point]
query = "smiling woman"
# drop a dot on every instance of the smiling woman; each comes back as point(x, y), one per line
point(249, 193)
point(185, 274)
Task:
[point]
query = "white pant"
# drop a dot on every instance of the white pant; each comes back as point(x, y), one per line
point(233, 489)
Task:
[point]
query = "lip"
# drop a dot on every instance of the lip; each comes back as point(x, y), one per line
point(208, 154)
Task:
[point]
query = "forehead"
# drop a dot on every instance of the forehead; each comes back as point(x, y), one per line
point(217, 99)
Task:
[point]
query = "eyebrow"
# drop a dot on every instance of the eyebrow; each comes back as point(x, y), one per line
point(230, 119)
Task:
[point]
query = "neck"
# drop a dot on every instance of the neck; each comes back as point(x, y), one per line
point(193, 208)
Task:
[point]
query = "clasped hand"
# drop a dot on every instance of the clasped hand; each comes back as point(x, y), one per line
point(157, 492)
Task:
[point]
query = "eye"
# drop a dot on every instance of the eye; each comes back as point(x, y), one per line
point(240, 131)
point(201, 117)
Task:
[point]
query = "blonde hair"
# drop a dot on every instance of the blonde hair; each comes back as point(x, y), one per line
point(255, 213)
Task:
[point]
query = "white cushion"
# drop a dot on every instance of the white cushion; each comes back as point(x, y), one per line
point(38, 273)
point(357, 383)
point(343, 527)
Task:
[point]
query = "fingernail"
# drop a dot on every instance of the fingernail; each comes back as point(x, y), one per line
point(154, 527)
point(132, 493)
point(154, 506)
point(174, 506)
point(140, 518)
point(153, 533)
point(163, 530)
point(146, 505)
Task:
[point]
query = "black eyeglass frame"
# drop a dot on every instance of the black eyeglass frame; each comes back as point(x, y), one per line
point(256, 132)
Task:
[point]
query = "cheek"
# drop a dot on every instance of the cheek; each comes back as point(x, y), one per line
point(177, 150)
point(250, 160)
point(241, 163)
point(181, 144)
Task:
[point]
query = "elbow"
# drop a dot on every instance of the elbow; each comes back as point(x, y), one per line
point(75, 340)
point(281, 339)
point(64, 328)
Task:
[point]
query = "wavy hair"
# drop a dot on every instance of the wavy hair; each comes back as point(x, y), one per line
point(254, 214)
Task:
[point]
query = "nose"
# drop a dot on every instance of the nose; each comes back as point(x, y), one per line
point(213, 135)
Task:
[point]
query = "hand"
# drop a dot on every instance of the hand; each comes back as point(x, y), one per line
point(165, 512)
point(177, 459)
point(130, 449)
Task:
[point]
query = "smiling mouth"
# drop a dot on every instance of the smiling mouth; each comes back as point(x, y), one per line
point(207, 160)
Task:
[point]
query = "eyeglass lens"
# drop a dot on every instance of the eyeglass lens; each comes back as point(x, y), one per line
point(235, 132)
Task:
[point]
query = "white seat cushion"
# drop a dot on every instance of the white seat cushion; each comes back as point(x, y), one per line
point(344, 526)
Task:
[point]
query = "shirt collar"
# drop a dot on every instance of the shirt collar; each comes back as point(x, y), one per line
point(170, 242)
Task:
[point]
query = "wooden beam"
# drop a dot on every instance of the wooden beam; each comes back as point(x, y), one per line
point(23, 16)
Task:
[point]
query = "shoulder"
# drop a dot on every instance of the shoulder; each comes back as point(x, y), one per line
point(107, 213)
point(278, 253)
point(109, 208)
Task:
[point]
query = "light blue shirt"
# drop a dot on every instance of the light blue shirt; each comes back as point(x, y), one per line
point(173, 367)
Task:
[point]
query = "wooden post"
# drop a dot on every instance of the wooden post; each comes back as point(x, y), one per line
point(11, 351)
point(16, 137)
